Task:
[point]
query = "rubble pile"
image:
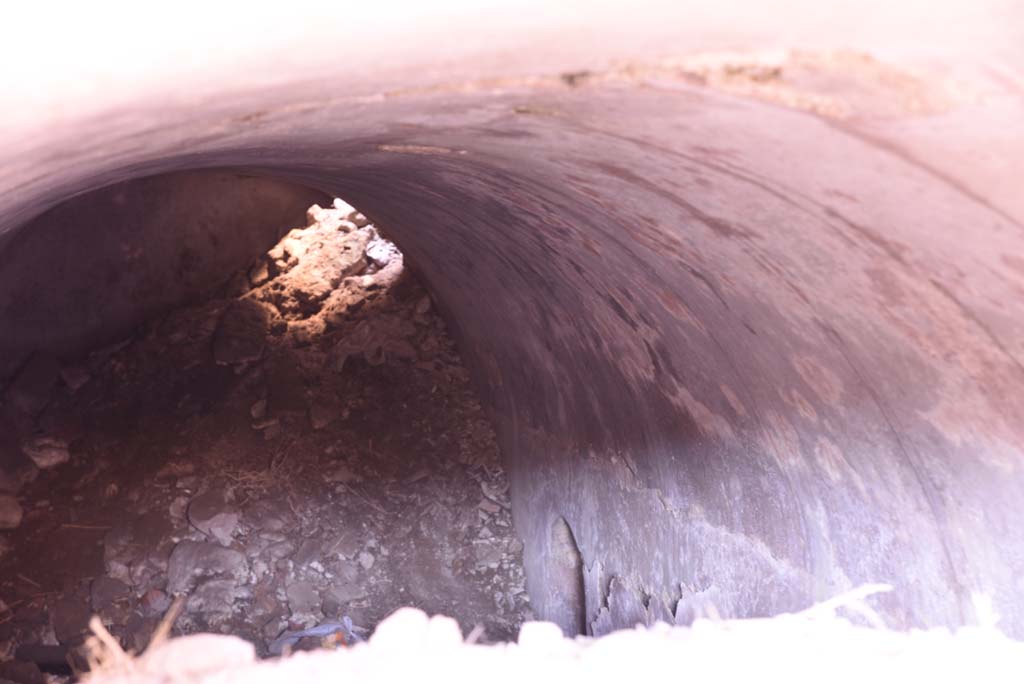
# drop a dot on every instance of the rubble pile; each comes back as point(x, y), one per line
point(302, 448)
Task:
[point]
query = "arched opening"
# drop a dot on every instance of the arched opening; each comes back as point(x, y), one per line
point(746, 351)
point(282, 435)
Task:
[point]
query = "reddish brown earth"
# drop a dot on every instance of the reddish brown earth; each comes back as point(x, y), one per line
point(302, 446)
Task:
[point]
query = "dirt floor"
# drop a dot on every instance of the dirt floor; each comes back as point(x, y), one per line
point(303, 448)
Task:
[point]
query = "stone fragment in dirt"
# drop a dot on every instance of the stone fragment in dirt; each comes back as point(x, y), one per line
point(381, 251)
point(285, 254)
point(496, 493)
point(259, 273)
point(303, 599)
point(343, 473)
point(488, 555)
point(210, 514)
point(332, 218)
point(119, 613)
point(345, 209)
point(188, 483)
point(215, 599)
point(317, 215)
point(154, 603)
point(313, 362)
point(276, 552)
point(423, 305)
point(47, 452)
point(345, 572)
point(323, 411)
point(400, 349)
point(119, 552)
point(176, 469)
point(32, 388)
point(274, 626)
point(11, 512)
point(327, 257)
point(241, 333)
point(258, 410)
point(177, 510)
point(488, 506)
point(70, 619)
point(331, 263)
point(16, 469)
point(338, 596)
point(269, 515)
point(308, 552)
point(105, 591)
point(366, 559)
point(383, 334)
point(191, 560)
point(189, 331)
point(264, 423)
point(346, 543)
point(148, 571)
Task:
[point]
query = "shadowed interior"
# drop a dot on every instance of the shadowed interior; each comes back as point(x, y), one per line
point(719, 344)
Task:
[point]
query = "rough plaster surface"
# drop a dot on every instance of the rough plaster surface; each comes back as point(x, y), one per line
point(750, 356)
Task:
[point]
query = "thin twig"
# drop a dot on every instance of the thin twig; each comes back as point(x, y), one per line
point(32, 582)
point(163, 630)
point(104, 652)
point(278, 458)
point(366, 499)
point(105, 637)
point(475, 634)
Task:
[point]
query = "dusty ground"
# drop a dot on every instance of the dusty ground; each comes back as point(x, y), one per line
point(302, 447)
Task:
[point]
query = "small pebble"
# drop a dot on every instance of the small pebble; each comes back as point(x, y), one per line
point(366, 559)
point(258, 410)
point(11, 512)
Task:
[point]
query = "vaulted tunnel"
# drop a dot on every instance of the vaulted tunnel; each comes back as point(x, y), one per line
point(736, 356)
